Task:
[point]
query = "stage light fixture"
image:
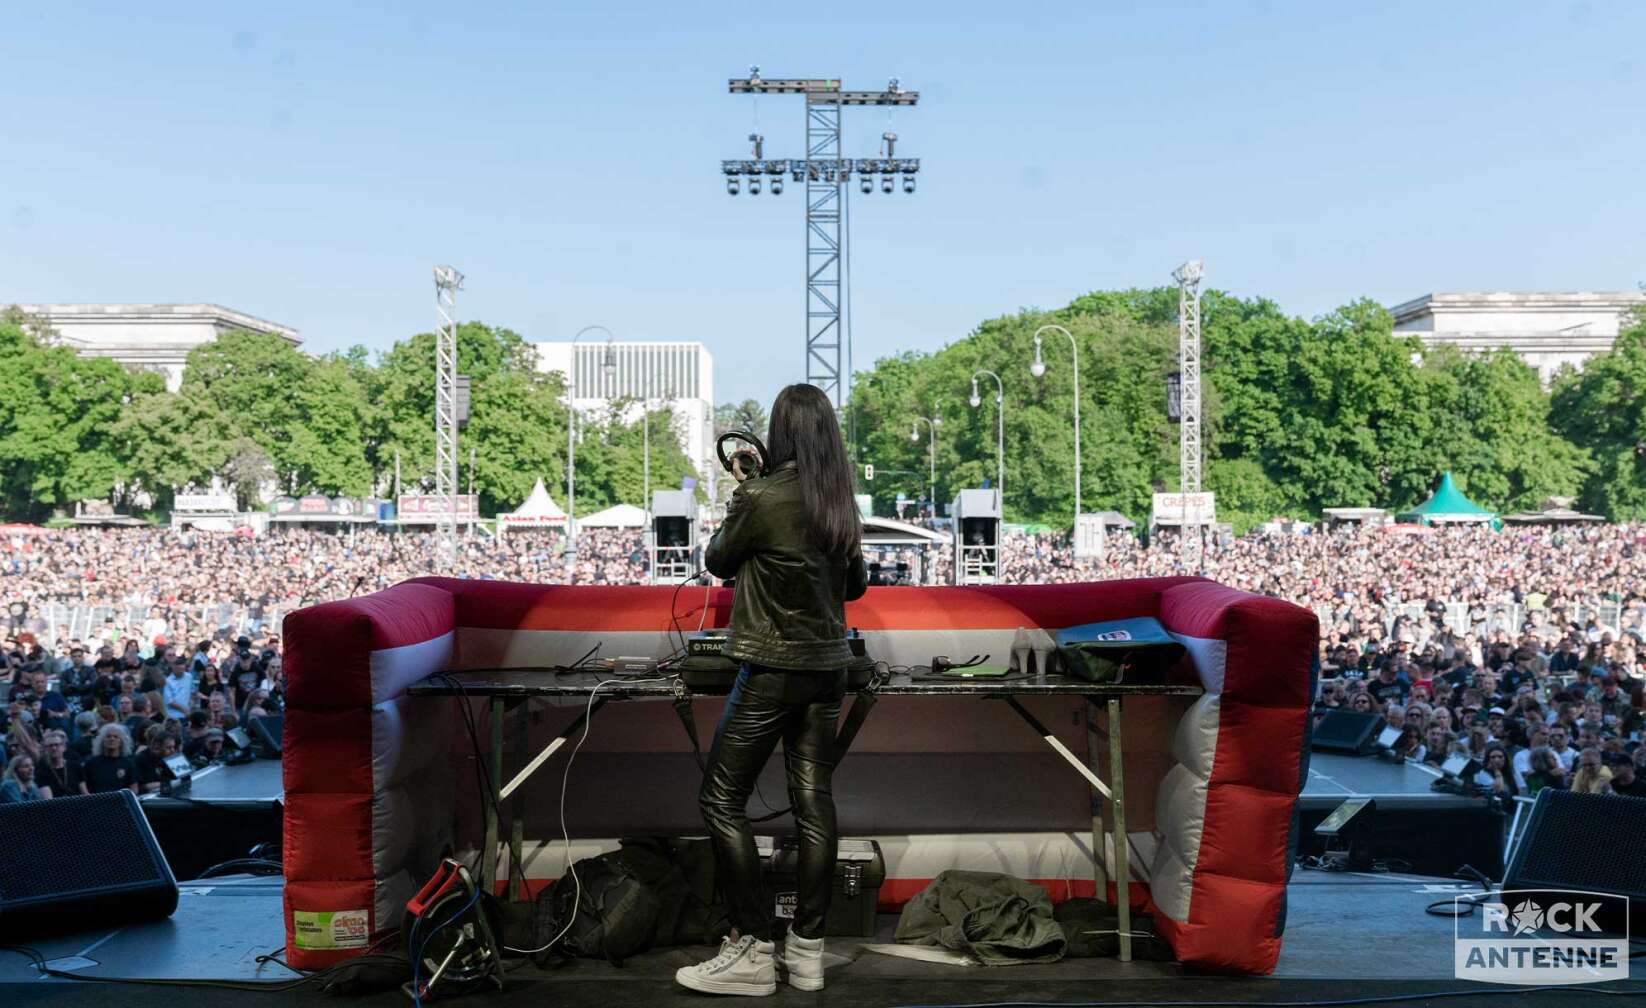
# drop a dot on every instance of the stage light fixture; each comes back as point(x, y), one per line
point(885, 183)
point(731, 187)
point(777, 185)
point(754, 186)
point(866, 185)
point(908, 183)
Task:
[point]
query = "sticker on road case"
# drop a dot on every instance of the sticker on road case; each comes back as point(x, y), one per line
point(330, 929)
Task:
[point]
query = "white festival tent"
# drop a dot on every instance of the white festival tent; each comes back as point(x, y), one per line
point(538, 510)
point(616, 516)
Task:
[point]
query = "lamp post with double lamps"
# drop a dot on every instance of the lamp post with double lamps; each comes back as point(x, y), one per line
point(999, 434)
point(1037, 369)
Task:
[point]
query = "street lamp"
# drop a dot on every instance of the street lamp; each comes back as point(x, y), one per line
point(1037, 369)
point(999, 435)
point(932, 424)
point(608, 367)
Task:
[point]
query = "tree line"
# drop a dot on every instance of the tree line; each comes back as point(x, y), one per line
point(1298, 415)
point(254, 413)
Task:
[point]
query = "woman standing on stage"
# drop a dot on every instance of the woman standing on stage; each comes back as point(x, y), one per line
point(792, 538)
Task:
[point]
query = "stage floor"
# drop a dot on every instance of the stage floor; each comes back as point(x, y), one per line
point(1346, 935)
point(257, 781)
point(1337, 776)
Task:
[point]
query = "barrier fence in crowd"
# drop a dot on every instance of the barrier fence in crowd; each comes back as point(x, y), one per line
point(82, 621)
point(1486, 619)
point(1465, 619)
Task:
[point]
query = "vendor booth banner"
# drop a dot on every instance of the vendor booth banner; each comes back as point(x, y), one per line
point(1184, 509)
point(428, 507)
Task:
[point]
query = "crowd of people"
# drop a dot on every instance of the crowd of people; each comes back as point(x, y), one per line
point(1533, 712)
point(1491, 635)
point(104, 714)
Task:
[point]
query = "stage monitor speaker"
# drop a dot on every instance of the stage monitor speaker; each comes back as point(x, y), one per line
point(1582, 842)
point(45, 889)
point(1347, 731)
point(265, 732)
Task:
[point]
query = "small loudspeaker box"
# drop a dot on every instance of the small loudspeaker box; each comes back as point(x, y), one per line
point(45, 890)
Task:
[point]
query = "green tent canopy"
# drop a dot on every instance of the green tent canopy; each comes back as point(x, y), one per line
point(1448, 505)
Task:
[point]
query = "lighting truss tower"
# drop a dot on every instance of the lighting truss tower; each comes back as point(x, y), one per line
point(447, 282)
point(824, 173)
point(1188, 359)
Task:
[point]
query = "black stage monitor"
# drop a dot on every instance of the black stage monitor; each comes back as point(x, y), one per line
point(128, 879)
point(266, 731)
point(1347, 731)
point(1583, 843)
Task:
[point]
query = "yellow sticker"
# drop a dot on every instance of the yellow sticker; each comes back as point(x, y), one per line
point(330, 929)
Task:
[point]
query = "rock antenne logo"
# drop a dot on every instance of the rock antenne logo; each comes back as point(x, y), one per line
point(1542, 936)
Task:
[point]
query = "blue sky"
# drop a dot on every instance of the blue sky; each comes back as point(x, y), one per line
point(309, 163)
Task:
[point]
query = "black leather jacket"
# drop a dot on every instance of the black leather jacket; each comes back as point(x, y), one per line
point(789, 608)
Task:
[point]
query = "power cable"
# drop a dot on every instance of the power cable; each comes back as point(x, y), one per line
point(565, 832)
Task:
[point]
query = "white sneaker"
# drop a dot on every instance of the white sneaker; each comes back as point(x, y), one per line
point(745, 966)
point(802, 963)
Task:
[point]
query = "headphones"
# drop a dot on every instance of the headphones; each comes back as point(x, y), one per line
point(749, 459)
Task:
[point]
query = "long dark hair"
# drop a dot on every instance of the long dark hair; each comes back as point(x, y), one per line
point(804, 430)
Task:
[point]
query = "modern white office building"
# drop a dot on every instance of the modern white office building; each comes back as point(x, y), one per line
point(154, 336)
point(678, 374)
point(1548, 330)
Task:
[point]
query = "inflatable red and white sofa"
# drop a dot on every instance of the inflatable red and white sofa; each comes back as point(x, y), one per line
point(379, 783)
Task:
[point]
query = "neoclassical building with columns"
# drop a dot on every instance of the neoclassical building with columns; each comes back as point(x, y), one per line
point(157, 337)
point(1548, 330)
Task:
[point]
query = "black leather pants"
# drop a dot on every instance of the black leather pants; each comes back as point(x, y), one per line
point(801, 709)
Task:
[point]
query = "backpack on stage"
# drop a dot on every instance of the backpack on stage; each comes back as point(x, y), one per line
point(615, 915)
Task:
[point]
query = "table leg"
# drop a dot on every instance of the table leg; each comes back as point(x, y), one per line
point(488, 855)
point(517, 819)
point(1122, 847)
point(1094, 750)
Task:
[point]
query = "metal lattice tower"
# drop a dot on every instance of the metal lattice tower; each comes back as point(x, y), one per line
point(447, 282)
point(823, 184)
point(1188, 353)
point(824, 173)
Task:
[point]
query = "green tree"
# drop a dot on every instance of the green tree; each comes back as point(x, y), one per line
point(748, 415)
point(1499, 442)
point(401, 391)
point(1125, 440)
point(1603, 409)
point(304, 412)
point(168, 442)
point(518, 431)
point(57, 413)
point(611, 462)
